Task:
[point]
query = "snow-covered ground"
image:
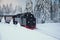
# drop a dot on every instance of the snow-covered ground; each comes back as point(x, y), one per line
point(51, 29)
point(17, 32)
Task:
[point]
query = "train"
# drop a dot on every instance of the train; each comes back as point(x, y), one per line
point(24, 19)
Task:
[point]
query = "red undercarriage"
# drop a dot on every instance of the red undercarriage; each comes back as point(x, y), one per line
point(33, 27)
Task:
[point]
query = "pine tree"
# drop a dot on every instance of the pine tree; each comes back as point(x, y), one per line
point(43, 9)
point(1, 13)
point(29, 6)
point(55, 14)
point(38, 9)
point(47, 6)
point(18, 10)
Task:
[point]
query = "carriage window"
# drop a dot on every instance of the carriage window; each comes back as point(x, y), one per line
point(27, 14)
point(31, 15)
point(24, 21)
point(33, 21)
point(28, 22)
point(30, 19)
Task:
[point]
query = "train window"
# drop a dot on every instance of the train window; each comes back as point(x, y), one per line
point(16, 19)
point(28, 22)
point(30, 19)
point(27, 14)
point(31, 15)
point(33, 21)
point(24, 21)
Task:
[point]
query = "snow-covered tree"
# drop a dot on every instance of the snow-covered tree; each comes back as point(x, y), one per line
point(59, 10)
point(18, 9)
point(1, 12)
point(38, 10)
point(47, 9)
point(7, 9)
point(42, 10)
point(29, 6)
point(55, 8)
point(3, 8)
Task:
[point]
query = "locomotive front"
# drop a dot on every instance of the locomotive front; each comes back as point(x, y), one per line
point(28, 20)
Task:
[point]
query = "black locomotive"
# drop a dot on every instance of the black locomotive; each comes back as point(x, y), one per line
point(25, 19)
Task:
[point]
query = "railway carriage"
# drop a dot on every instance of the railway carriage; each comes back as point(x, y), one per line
point(7, 18)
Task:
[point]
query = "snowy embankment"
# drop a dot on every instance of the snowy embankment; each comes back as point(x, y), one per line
point(51, 29)
point(16, 32)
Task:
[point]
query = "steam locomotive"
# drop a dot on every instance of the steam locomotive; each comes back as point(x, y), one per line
point(25, 19)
